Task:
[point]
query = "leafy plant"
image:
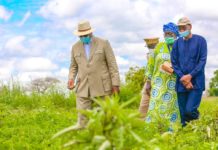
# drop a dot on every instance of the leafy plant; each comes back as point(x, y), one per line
point(110, 126)
point(213, 90)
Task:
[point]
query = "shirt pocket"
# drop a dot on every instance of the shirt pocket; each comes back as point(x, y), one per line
point(78, 58)
point(99, 55)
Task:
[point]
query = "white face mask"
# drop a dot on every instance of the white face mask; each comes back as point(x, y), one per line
point(150, 50)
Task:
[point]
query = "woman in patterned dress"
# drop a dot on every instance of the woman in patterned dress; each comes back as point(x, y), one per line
point(163, 100)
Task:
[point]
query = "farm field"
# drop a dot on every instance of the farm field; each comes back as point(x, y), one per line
point(30, 121)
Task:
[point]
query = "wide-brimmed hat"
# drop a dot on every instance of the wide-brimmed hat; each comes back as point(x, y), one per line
point(151, 41)
point(83, 28)
point(184, 21)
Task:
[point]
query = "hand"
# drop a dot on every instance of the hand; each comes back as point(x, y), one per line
point(70, 85)
point(115, 90)
point(189, 86)
point(166, 66)
point(148, 88)
point(186, 79)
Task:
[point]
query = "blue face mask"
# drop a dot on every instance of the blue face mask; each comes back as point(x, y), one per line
point(184, 34)
point(86, 39)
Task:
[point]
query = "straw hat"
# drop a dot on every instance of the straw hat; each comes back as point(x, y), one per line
point(83, 28)
point(151, 41)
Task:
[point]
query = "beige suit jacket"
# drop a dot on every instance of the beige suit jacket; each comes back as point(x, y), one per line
point(94, 76)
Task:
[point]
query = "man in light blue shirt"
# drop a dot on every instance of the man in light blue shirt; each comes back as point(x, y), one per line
point(94, 68)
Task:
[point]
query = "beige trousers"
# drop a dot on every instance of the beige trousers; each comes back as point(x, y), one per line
point(83, 103)
point(144, 104)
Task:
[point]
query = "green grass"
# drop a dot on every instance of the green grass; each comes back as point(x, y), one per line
point(23, 128)
point(29, 122)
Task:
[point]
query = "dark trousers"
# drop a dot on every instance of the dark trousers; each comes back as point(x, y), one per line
point(188, 105)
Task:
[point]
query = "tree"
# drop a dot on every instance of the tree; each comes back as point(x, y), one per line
point(40, 85)
point(135, 78)
point(213, 85)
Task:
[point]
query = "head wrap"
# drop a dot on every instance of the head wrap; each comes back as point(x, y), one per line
point(171, 27)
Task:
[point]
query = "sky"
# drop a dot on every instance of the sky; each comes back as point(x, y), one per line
point(37, 35)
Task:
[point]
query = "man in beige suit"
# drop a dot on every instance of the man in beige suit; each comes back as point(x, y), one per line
point(93, 68)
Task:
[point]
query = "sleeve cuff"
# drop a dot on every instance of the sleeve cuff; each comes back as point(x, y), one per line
point(180, 74)
point(192, 74)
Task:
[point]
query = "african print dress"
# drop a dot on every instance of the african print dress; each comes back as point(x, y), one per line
point(163, 100)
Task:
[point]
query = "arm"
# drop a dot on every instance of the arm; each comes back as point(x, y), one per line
point(150, 69)
point(150, 66)
point(112, 65)
point(174, 60)
point(73, 67)
point(202, 60)
point(151, 62)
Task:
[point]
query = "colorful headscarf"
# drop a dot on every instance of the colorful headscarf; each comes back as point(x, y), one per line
point(171, 27)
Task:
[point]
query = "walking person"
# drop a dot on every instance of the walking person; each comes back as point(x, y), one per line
point(163, 100)
point(94, 68)
point(145, 99)
point(189, 57)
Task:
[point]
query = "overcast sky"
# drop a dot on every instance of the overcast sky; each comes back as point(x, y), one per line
point(37, 35)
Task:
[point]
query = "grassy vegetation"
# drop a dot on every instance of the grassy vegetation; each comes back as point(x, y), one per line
point(28, 121)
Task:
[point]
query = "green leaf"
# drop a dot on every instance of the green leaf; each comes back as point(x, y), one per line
point(128, 102)
point(106, 144)
point(136, 136)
